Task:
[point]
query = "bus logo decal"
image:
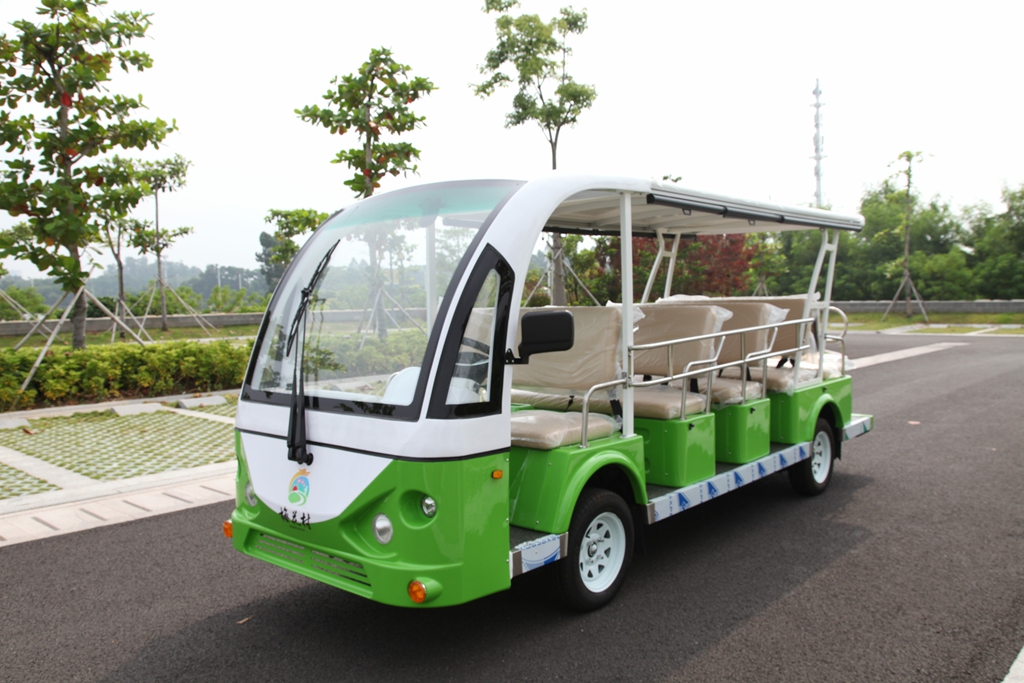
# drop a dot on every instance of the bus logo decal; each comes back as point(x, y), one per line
point(298, 488)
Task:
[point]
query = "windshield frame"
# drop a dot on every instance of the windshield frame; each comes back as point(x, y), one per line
point(412, 411)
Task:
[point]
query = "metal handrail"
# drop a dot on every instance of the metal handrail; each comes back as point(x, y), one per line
point(761, 355)
point(586, 404)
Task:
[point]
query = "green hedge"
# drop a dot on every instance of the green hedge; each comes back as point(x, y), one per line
point(121, 371)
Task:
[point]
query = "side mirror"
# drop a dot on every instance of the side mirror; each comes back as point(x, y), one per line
point(542, 332)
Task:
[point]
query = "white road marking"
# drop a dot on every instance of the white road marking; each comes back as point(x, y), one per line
point(1016, 674)
point(868, 361)
point(44, 522)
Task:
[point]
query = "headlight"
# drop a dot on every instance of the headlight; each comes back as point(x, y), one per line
point(429, 506)
point(382, 529)
point(250, 494)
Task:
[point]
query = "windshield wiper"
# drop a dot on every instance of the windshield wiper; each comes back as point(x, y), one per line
point(297, 415)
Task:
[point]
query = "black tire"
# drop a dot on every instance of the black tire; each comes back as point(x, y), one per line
point(594, 570)
point(811, 476)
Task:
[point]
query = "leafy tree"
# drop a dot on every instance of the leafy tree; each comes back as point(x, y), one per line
point(998, 244)
point(156, 242)
point(538, 51)
point(166, 175)
point(29, 298)
point(56, 116)
point(270, 270)
point(288, 224)
point(374, 99)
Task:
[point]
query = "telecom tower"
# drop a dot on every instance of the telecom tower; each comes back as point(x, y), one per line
point(819, 142)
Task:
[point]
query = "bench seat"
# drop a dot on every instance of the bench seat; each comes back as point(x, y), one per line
point(545, 430)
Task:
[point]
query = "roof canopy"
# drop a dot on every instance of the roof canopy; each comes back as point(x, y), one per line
point(672, 209)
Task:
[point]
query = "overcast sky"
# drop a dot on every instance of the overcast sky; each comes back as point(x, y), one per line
point(718, 93)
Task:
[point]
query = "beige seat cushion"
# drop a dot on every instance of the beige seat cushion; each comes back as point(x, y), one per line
point(662, 323)
point(664, 403)
point(593, 358)
point(656, 403)
point(727, 392)
point(543, 430)
point(779, 379)
point(794, 307)
point(744, 314)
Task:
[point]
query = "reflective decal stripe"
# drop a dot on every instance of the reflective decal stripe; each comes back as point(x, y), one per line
point(677, 501)
point(858, 426)
point(530, 555)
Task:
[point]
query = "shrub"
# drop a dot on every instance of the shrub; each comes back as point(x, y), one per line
point(121, 371)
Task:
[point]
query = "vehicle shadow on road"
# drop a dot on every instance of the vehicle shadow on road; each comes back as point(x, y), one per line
point(703, 574)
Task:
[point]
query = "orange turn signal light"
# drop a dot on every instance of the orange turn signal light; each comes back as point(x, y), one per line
point(417, 592)
point(229, 531)
point(497, 474)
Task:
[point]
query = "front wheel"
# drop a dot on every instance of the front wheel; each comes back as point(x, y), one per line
point(811, 476)
point(600, 550)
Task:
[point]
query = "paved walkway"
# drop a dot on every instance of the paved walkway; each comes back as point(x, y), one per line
point(76, 467)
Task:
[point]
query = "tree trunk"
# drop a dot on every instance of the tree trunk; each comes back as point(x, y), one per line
point(557, 271)
point(123, 311)
point(160, 267)
point(558, 262)
point(78, 318)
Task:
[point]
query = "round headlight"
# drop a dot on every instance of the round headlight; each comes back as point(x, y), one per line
point(382, 529)
point(250, 494)
point(429, 506)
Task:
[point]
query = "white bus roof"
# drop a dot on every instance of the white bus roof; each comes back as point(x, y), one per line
point(673, 209)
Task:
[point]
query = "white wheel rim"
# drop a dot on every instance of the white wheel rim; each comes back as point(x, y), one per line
point(821, 458)
point(601, 552)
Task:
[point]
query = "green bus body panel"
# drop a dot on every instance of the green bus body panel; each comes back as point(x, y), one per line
point(742, 432)
point(794, 417)
point(545, 484)
point(678, 452)
point(463, 549)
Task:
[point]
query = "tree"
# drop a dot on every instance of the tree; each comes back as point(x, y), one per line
point(538, 51)
point(167, 175)
point(375, 98)
point(57, 114)
point(269, 267)
point(156, 242)
point(907, 283)
point(289, 224)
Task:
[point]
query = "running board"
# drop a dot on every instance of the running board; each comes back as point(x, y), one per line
point(535, 550)
point(672, 503)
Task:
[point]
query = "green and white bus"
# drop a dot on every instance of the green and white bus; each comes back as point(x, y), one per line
point(409, 432)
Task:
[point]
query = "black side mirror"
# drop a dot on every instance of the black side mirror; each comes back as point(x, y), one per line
point(542, 332)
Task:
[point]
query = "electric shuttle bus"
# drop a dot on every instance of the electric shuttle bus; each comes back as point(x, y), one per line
point(408, 431)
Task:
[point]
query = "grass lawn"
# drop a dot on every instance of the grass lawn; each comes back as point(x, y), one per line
point(173, 334)
point(873, 321)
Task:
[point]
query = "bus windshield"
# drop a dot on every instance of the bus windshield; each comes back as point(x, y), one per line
point(372, 312)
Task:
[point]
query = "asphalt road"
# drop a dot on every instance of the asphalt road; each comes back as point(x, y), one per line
point(909, 568)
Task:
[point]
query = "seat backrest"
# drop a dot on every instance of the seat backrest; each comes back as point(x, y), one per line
point(794, 307)
point(593, 358)
point(662, 323)
point(744, 314)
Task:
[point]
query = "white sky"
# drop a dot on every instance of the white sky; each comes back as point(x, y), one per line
point(717, 93)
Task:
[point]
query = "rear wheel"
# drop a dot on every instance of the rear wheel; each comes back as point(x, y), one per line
point(811, 476)
point(600, 550)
